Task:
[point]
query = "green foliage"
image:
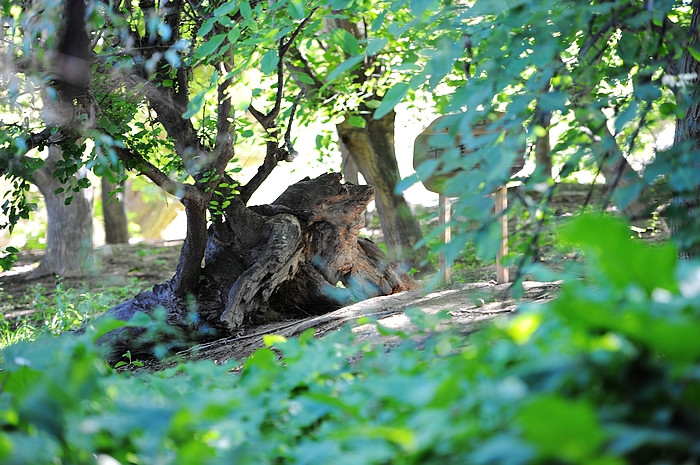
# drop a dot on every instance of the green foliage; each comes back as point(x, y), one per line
point(605, 72)
point(575, 380)
point(55, 311)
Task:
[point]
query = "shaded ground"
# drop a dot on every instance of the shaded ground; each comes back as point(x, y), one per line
point(139, 266)
point(136, 266)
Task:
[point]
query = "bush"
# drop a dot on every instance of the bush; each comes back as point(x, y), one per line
point(607, 373)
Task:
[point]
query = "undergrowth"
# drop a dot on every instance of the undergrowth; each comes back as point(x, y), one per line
point(56, 310)
point(607, 373)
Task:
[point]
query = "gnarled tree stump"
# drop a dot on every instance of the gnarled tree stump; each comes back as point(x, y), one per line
point(300, 256)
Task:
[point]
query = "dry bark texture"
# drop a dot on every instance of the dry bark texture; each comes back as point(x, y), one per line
point(300, 256)
point(468, 308)
point(69, 230)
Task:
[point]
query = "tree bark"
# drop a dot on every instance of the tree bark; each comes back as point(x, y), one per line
point(543, 156)
point(348, 164)
point(684, 223)
point(372, 148)
point(69, 231)
point(299, 256)
point(114, 213)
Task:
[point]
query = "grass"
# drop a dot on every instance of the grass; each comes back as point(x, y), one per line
point(55, 311)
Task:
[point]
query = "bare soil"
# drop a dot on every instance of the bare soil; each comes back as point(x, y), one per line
point(153, 262)
point(145, 264)
point(140, 265)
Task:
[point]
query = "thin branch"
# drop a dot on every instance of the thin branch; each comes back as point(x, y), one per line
point(633, 139)
point(284, 47)
point(291, 153)
point(259, 116)
point(162, 180)
point(264, 170)
point(15, 162)
point(306, 69)
point(267, 120)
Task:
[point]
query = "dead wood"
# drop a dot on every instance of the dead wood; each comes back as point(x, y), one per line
point(468, 307)
point(300, 256)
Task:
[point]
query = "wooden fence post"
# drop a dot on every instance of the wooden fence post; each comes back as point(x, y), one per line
point(501, 200)
point(444, 220)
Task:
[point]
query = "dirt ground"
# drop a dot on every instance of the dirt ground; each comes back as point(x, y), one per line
point(148, 262)
point(139, 266)
point(144, 264)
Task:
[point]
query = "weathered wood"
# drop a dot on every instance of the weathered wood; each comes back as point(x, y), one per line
point(301, 255)
point(501, 207)
point(468, 306)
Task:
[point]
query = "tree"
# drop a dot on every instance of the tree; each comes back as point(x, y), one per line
point(686, 195)
point(69, 228)
point(346, 65)
point(114, 212)
point(610, 71)
point(169, 82)
point(68, 202)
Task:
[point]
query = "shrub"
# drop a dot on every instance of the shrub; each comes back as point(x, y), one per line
point(606, 373)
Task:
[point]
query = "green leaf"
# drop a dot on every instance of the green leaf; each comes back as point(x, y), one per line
point(375, 45)
point(618, 260)
point(553, 101)
point(234, 34)
point(357, 121)
point(262, 358)
point(694, 52)
point(271, 339)
point(378, 21)
point(296, 9)
point(195, 105)
point(269, 61)
point(391, 99)
point(206, 27)
point(305, 78)
point(228, 7)
point(626, 116)
point(246, 11)
point(561, 428)
point(346, 41)
point(418, 7)
point(347, 65)
point(209, 47)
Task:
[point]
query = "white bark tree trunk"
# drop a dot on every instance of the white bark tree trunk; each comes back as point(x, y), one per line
point(69, 232)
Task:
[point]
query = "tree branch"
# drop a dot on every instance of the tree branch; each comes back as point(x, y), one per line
point(146, 168)
point(306, 69)
point(267, 120)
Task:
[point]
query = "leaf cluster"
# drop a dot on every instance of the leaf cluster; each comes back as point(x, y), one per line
point(605, 373)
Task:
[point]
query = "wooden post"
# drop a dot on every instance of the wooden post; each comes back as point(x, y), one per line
point(501, 200)
point(443, 221)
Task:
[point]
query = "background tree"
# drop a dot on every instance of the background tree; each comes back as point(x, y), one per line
point(607, 71)
point(63, 185)
point(116, 223)
point(345, 73)
point(168, 83)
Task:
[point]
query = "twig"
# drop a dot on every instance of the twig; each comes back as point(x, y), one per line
point(621, 168)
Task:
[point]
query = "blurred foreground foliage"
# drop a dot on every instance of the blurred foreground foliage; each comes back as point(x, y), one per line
point(607, 373)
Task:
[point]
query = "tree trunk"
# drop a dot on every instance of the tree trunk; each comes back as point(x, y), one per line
point(543, 156)
point(114, 213)
point(683, 222)
point(372, 148)
point(69, 230)
point(348, 164)
point(299, 256)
